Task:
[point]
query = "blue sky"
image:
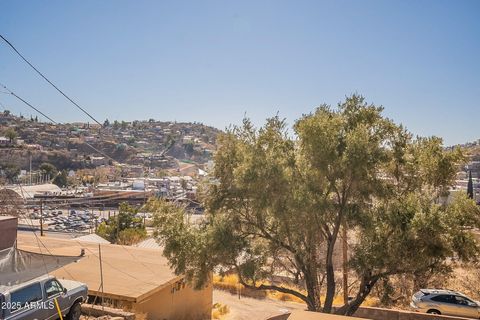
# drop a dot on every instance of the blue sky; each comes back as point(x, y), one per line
point(214, 61)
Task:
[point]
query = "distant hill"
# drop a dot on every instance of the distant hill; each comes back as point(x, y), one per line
point(72, 145)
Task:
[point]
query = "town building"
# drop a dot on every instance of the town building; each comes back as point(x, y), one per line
point(137, 279)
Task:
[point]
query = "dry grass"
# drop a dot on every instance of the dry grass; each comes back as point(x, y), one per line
point(230, 283)
point(283, 296)
point(141, 316)
point(219, 310)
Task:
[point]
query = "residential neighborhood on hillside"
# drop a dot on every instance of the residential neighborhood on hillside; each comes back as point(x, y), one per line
point(137, 149)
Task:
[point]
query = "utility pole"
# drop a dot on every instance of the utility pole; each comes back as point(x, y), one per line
point(30, 169)
point(101, 272)
point(41, 218)
point(470, 192)
point(144, 199)
point(345, 262)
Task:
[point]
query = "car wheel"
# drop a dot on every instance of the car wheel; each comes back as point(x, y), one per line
point(75, 312)
point(433, 311)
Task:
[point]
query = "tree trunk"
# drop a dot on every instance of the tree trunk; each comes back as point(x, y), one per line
point(365, 287)
point(330, 276)
point(313, 291)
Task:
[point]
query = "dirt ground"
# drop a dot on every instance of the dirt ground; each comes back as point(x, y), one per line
point(253, 309)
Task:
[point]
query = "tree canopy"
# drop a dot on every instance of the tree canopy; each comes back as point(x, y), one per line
point(10, 171)
point(124, 228)
point(279, 200)
point(11, 134)
point(48, 169)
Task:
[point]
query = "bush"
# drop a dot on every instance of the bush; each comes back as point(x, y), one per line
point(131, 236)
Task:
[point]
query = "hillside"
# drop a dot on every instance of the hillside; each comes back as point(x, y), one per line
point(81, 145)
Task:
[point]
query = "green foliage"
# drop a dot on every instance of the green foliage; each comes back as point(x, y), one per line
point(10, 171)
point(131, 141)
point(124, 228)
point(11, 134)
point(188, 148)
point(48, 169)
point(61, 179)
point(178, 238)
point(131, 236)
point(279, 202)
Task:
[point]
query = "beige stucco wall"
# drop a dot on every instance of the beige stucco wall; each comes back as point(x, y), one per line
point(178, 301)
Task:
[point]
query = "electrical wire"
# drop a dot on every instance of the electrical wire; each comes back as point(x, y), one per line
point(28, 104)
point(95, 255)
point(118, 269)
point(46, 79)
point(40, 241)
point(53, 121)
point(91, 252)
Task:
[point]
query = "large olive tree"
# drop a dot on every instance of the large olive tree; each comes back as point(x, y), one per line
point(278, 201)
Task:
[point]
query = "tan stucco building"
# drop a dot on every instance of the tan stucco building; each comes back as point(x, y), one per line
point(137, 279)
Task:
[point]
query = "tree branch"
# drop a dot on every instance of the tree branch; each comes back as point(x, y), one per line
point(270, 287)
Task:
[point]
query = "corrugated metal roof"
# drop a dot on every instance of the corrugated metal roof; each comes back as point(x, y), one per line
point(28, 192)
point(94, 238)
point(149, 243)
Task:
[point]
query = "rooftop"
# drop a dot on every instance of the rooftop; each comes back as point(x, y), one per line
point(7, 217)
point(28, 192)
point(149, 243)
point(129, 273)
point(92, 237)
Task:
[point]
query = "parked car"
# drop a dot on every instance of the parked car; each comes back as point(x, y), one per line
point(446, 302)
point(35, 299)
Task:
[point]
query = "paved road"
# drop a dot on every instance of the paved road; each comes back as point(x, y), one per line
point(250, 309)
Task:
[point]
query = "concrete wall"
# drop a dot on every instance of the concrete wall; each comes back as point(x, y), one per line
point(178, 301)
point(99, 311)
point(387, 314)
point(384, 314)
point(8, 231)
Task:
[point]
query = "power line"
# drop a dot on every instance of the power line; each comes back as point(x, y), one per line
point(46, 79)
point(115, 268)
point(40, 241)
point(43, 114)
point(28, 104)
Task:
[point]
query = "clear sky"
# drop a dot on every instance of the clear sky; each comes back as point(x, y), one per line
point(214, 61)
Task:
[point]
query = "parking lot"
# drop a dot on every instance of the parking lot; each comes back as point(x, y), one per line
point(72, 219)
point(67, 220)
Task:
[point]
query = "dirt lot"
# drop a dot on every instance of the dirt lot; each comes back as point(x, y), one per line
point(250, 309)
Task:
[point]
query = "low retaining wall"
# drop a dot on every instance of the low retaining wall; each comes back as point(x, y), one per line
point(385, 314)
point(98, 311)
point(388, 314)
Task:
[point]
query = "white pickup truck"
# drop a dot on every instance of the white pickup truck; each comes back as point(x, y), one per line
point(42, 298)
